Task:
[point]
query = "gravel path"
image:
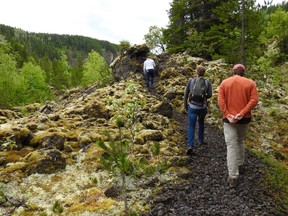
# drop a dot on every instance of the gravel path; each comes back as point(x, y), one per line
point(204, 190)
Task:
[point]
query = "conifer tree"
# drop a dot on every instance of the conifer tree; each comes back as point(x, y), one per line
point(117, 159)
point(46, 65)
point(77, 72)
point(61, 77)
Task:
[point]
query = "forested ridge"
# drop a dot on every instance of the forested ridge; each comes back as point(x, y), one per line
point(28, 44)
point(36, 66)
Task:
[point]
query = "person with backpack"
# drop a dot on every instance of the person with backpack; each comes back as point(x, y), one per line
point(149, 72)
point(237, 96)
point(197, 91)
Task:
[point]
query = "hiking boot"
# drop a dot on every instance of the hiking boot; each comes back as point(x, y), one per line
point(203, 143)
point(232, 181)
point(189, 151)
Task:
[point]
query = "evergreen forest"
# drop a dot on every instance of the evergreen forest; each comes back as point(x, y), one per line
point(237, 31)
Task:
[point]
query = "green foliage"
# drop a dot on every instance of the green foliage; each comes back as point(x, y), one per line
point(9, 79)
point(154, 39)
point(94, 180)
point(96, 70)
point(119, 121)
point(77, 72)
point(60, 57)
point(272, 112)
point(37, 45)
point(57, 207)
point(115, 158)
point(124, 46)
point(163, 167)
point(175, 35)
point(61, 76)
point(132, 110)
point(35, 88)
point(195, 44)
point(276, 181)
point(46, 65)
point(278, 21)
point(228, 43)
point(150, 170)
point(9, 144)
point(213, 30)
point(155, 150)
point(26, 86)
point(116, 154)
point(274, 32)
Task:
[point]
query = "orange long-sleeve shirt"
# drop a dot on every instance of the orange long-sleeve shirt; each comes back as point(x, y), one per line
point(237, 95)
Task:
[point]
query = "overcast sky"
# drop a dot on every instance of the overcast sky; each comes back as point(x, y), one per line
point(111, 20)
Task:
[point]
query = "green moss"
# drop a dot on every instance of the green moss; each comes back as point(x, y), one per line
point(276, 181)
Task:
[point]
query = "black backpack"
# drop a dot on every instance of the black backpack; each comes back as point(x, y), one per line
point(198, 92)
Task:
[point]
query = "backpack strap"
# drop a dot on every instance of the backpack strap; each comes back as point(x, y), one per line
point(192, 83)
point(206, 85)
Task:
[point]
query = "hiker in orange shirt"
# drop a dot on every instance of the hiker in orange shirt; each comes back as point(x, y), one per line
point(237, 96)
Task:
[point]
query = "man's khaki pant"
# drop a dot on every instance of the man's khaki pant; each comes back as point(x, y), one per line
point(235, 135)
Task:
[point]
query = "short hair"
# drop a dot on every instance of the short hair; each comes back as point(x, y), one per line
point(238, 69)
point(200, 70)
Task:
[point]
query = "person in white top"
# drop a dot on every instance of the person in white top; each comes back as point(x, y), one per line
point(149, 72)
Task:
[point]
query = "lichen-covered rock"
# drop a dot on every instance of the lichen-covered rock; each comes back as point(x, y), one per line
point(9, 114)
point(163, 108)
point(150, 135)
point(45, 161)
point(48, 139)
point(14, 136)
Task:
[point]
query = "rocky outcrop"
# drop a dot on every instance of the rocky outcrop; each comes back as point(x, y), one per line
point(45, 161)
point(130, 62)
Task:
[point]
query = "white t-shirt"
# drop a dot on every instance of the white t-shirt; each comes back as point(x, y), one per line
point(148, 64)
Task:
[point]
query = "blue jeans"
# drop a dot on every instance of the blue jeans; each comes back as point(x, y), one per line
point(193, 114)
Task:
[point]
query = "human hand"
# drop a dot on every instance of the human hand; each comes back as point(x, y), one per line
point(238, 117)
point(231, 118)
point(184, 111)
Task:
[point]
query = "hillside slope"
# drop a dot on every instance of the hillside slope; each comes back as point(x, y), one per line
point(50, 161)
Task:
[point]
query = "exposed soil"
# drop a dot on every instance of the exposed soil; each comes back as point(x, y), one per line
point(204, 190)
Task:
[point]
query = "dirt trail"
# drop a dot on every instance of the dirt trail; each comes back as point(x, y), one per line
point(204, 190)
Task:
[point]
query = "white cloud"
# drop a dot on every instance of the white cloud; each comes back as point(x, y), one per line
point(111, 20)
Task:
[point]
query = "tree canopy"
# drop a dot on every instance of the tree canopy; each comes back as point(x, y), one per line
point(212, 29)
